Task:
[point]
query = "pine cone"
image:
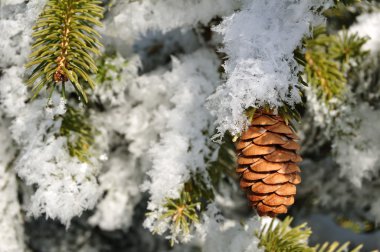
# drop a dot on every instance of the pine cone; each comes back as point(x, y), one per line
point(267, 164)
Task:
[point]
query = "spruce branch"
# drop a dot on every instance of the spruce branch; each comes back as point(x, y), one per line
point(327, 60)
point(346, 2)
point(335, 247)
point(78, 132)
point(183, 213)
point(64, 39)
point(284, 238)
point(108, 70)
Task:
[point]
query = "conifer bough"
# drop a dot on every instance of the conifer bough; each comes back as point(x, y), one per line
point(267, 163)
point(64, 40)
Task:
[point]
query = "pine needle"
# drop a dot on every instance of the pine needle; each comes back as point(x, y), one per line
point(64, 40)
point(327, 60)
point(284, 238)
point(78, 132)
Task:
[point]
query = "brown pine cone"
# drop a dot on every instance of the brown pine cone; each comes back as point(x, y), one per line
point(267, 164)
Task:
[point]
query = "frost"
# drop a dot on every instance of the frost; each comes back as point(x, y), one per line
point(11, 86)
point(65, 186)
point(154, 128)
point(353, 130)
point(359, 155)
point(184, 141)
point(261, 68)
point(333, 193)
point(111, 92)
point(121, 184)
point(11, 223)
point(167, 128)
point(16, 20)
point(351, 123)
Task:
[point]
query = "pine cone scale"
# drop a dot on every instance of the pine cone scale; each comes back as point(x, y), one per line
point(256, 150)
point(267, 164)
point(269, 138)
point(287, 189)
point(249, 175)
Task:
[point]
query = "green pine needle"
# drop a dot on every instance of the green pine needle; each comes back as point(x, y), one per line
point(78, 132)
point(284, 238)
point(107, 69)
point(182, 213)
point(335, 247)
point(327, 60)
point(64, 40)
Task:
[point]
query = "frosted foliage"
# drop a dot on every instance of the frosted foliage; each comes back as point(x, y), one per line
point(222, 234)
point(111, 91)
point(134, 108)
point(11, 229)
point(335, 119)
point(353, 130)
point(359, 155)
point(11, 86)
point(186, 119)
point(121, 184)
point(65, 186)
point(153, 126)
point(133, 105)
point(147, 108)
point(184, 141)
point(16, 20)
point(261, 68)
point(336, 193)
point(367, 25)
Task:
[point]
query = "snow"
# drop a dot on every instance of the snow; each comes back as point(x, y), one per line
point(351, 122)
point(121, 185)
point(261, 69)
point(16, 21)
point(363, 149)
point(155, 115)
point(65, 186)
point(367, 25)
point(11, 222)
point(185, 140)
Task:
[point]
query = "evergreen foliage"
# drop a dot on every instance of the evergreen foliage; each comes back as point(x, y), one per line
point(107, 70)
point(224, 164)
point(281, 237)
point(327, 60)
point(64, 41)
point(79, 133)
point(63, 53)
point(183, 212)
